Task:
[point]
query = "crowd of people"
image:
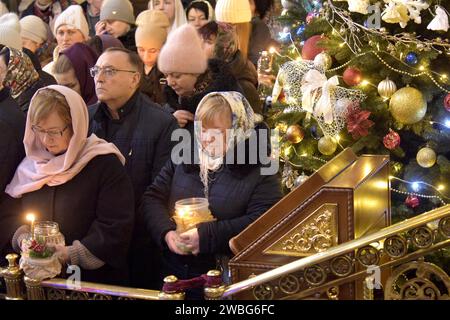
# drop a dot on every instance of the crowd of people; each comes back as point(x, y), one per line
point(90, 95)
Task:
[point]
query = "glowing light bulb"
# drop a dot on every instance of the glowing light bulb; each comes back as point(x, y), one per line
point(415, 186)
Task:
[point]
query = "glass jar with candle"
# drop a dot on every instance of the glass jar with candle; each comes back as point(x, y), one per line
point(48, 232)
point(190, 212)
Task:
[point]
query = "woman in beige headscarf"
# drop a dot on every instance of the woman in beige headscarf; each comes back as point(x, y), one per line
point(77, 181)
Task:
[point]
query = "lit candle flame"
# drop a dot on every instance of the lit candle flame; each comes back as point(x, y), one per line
point(31, 218)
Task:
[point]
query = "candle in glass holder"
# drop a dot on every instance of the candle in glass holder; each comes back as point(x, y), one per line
point(190, 212)
point(48, 232)
point(31, 218)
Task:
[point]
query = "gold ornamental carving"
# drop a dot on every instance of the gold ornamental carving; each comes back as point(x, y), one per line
point(418, 280)
point(316, 233)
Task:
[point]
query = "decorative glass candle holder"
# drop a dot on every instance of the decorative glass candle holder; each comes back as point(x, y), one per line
point(190, 212)
point(48, 232)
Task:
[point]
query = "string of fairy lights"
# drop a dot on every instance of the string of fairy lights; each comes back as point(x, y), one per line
point(415, 185)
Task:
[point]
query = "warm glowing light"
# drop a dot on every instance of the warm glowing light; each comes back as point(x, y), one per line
point(365, 83)
point(440, 187)
point(421, 68)
point(272, 50)
point(30, 217)
point(382, 185)
point(287, 151)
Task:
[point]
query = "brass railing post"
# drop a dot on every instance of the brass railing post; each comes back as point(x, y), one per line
point(171, 294)
point(368, 288)
point(34, 289)
point(13, 278)
point(216, 290)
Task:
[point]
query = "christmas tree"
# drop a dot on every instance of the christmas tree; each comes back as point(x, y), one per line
point(372, 76)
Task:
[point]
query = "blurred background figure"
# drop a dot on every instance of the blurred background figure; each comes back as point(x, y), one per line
point(18, 74)
point(199, 13)
point(237, 13)
point(34, 33)
point(151, 34)
point(72, 71)
point(220, 42)
point(70, 27)
point(173, 9)
point(117, 19)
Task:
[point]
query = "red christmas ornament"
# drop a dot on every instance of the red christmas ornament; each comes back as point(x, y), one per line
point(311, 49)
point(447, 102)
point(412, 201)
point(391, 140)
point(352, 76)
point(358, 123)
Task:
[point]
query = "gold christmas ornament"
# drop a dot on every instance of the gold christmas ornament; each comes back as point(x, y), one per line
point(426, 157)
point(323, 60)
point(386, 88)
point(295, 134)
point(327, 145)
point(408, 105)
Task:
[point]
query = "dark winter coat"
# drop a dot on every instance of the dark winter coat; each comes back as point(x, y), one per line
point(24, 99)
point(247, 76)
point(31, 10)
point(151, 86)
point(96, 207)
point(12, 127)
point(143, 135)
point(128, 40)
point(46, 78)
point(218, 77)
point(260, 40)
point(238, 194)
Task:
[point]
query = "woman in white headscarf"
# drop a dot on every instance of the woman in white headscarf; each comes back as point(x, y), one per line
point(228, 174)
point(173, 9)
point(77, 181)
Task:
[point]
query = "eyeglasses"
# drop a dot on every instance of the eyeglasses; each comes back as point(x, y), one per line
point(108, 71)
point(54, 134)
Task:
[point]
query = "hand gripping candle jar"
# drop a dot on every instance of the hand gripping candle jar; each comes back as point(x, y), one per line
point(190, 212)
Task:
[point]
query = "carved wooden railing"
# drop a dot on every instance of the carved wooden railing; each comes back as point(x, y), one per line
point(402, 245)
point(20, 287)
point(400, 248)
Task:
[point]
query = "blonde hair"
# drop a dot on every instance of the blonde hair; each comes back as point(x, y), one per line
point(213, 107)
point(243, 32)
point(46, 102)
point(62, 65)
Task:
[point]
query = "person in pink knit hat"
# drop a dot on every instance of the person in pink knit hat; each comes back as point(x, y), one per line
point(189, 74)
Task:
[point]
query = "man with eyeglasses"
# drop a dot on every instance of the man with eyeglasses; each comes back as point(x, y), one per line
point(141, 130)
